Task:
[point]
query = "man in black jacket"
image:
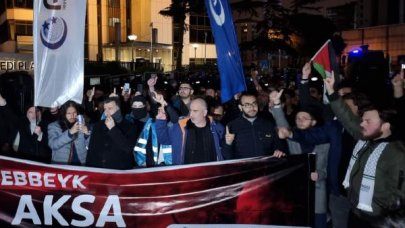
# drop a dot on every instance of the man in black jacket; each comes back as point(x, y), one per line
point(112, 140)
point(250, 135)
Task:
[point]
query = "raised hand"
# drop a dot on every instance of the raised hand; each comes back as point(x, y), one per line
point(398, 80)
point(151, 83)
point(229, 138)
point(109, 122)
point(306, 70)
point(283, 132)
point(159, 98)
point(398, 84)
point(90, 93)
point(329, 83)
point(274, 97)
point(75, 128)
point(84, 129)
point(3, 101)
point(126, 95)
point(114, 93)
point(37, 130)
point(314, 176)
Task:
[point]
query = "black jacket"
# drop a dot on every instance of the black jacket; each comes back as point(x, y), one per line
point(30, 147)
point(251, 140)
point(113, 148)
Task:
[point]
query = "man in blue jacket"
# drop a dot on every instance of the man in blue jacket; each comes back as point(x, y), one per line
point(194, 139)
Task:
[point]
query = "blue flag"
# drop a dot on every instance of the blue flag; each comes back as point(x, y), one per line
point(228, 56)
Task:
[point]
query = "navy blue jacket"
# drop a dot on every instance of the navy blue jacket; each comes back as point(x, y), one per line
point(252, 139)
point(330, 132)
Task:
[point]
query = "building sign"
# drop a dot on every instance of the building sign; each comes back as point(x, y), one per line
point(16, 65)
point(16, 62)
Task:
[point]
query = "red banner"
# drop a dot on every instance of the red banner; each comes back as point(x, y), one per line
point(262, 190)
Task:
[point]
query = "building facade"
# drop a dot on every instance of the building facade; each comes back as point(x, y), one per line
point(108, 25)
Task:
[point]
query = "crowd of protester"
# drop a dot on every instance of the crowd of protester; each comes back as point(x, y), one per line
point(356, 142)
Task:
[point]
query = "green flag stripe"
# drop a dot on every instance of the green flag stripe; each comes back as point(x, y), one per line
point(320, 69)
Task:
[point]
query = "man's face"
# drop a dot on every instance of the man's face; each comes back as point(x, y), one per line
point(249, 106)
point(344, 90)
point(314, 93)
point(185, 90)
point(210, 92)
point(197, 113)
point(218, 113)
point(304, 120)
point(71, 114)
point(371, 125)
point(110, 108)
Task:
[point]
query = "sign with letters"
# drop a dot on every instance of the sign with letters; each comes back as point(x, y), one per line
point(246, 191)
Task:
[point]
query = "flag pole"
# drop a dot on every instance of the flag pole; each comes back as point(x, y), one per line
point(312, 59)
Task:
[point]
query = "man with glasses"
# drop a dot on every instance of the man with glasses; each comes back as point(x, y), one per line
point(250, 135)
point(182, 102)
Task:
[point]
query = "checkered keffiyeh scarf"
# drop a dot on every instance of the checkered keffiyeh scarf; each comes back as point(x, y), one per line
point(368, 180)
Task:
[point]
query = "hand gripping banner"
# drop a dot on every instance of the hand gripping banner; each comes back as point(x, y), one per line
point(261, 190)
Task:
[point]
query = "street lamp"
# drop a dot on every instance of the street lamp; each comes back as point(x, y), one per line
point(195, 46)
point(132, 38)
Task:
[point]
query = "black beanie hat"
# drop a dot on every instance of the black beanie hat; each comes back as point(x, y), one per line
point(139, 98)
point(314, 111)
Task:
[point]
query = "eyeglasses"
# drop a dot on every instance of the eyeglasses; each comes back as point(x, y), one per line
point(249, 105)
point(184, 88)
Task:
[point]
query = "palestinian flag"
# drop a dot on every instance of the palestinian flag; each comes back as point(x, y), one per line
point(324, 61)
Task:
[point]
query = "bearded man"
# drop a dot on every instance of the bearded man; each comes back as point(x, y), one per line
point(375, 175)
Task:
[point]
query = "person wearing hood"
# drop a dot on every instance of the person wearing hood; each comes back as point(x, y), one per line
point(31, 140)
point(112, 139)
point(147, 150)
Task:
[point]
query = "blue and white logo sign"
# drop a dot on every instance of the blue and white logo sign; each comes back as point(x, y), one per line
point(219, 18)
point(53, 32)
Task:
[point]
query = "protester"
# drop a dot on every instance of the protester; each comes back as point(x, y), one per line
point(112, 140)
point(250, 135)
point(93, 105)
point(194, 139)
point(398, 83)
point(147, 149)
point(182, 101)
point(375, 173)
point(31, 141)
point(306, 118)
point(217, 112)
point(67, 137)
point(311, 96)
point(8, 128)
point(50, 115)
